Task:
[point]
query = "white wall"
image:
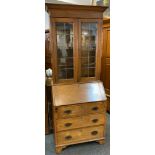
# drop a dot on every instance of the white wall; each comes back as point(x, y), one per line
point(80, 2)
point(46, 20)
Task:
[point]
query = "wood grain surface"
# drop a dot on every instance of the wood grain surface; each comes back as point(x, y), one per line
point(78, 93)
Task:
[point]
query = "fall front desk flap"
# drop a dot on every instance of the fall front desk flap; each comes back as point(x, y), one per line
point(66, 94)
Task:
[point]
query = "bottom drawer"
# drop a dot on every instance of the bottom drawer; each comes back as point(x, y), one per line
point(78, 135)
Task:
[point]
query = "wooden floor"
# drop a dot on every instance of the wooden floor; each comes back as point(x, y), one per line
point(91, 148)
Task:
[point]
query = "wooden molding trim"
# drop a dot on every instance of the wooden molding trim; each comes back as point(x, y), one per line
point(106, 20)
point(75, 7)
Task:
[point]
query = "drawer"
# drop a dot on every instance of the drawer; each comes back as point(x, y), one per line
point(93, 132)
point(96, 119)
point(78, 122)
point(65, 137)
point(68, 123)
point(71, 136)
point(68, 111)
point(95, 107)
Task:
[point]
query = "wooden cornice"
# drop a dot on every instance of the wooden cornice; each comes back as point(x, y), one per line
point(106, 20)
point(50, 6)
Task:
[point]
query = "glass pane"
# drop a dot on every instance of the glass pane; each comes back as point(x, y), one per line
point(69, 73)
point(68, 28)
point(91, 72)
point(64, 28)
point(62, 72)
point(69, 62)
point(88, 49)
point(70, 52)
point(84, 71)
point(64, 32)
point(93, 29)
point(84, 62)
point(92, 52)
point(84, 52)
point(60, 28)
point(85, 28)
point(62, 62)
point(92, 61)
point(65, 45)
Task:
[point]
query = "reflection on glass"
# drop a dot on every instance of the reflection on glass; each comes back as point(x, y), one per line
point(84, 62)
point(66, 28)
point(69, 62)
point(88, 49)
point(91, 72)
point(91, 61)
point(84, 71)
point(64, 32)
point(69, 73)
point(62, 61)
point(61, 72)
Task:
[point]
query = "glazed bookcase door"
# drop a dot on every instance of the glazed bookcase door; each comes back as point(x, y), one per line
point(88, 49)
point(64, 50)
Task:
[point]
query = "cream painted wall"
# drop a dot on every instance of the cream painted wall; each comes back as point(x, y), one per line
point(81, 2)
point(46, 21)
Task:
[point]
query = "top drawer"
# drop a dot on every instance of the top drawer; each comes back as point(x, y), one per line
point(80, 109)
point(68, 111)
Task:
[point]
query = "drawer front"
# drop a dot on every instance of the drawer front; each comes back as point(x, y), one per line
point(68, 123)
point(70, 136)
point(78, 135)
point(95, 119)
point(96, 107)
point(78, 122)
point(93, 132)
point(68, 111)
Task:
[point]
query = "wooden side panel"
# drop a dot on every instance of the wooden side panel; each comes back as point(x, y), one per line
point(107, 77)
point(105, 63)
point(108, 43)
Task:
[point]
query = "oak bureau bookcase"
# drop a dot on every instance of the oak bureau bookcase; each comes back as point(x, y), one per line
point(79, 100)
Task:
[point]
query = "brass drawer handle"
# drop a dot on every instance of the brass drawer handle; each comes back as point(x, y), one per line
point(68, 137)
point(95, 108)
point(68, 124)
point(94, 132)
point(67, 111)
point(95, 120)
